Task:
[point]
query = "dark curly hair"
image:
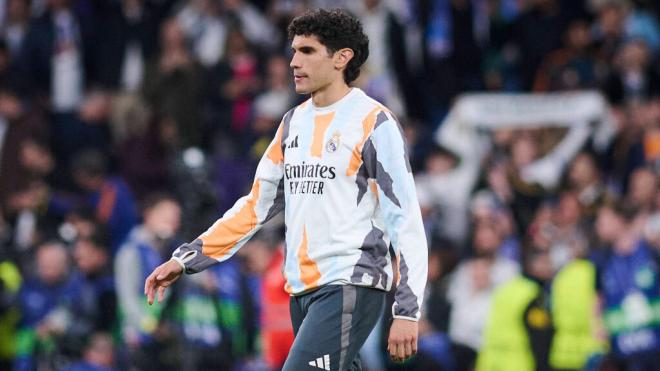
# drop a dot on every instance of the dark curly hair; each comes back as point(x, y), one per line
point(336, 30)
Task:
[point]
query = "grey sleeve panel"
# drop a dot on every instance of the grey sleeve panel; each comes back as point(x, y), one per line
point(380, 120)
point(286, 122)
point(278, 203)
point(405, 300)
point(128, 283)
point(373, 169)
point(192, 257)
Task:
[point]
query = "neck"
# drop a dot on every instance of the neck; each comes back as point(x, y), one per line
point(330, 94)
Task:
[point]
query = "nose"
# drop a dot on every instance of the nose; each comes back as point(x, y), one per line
point(295, 62)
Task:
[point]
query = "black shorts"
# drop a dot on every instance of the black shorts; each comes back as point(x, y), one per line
point(331, 324)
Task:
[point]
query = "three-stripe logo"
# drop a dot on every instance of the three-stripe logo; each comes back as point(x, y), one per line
point(321, 362)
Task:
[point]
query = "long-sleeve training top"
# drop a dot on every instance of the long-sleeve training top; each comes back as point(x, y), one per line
point(342, 176)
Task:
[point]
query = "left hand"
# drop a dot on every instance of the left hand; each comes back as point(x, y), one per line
point(402, 342)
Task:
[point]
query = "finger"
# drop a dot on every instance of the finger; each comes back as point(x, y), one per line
point(407, 346)
point(148, 282)
point(161, 293)
point(153, 285)
point(414, 346)
point(391, 349)
point(401, 351)
point(150, 293)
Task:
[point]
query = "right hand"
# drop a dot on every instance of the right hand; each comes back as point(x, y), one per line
point(162, 277)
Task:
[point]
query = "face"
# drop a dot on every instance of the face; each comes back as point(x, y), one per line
point(608, 225)
point(541, 267)
point(88, 258)
point(583, 171)
point(172, 34)
point(164, 219)
point(51, 263)
point(643, 186)
point(568, 211)
point(314, 68)
point(523, 151)
point(486, 239)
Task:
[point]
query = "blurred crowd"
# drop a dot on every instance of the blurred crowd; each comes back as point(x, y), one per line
point(128, 126)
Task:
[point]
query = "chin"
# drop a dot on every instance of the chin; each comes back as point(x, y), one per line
point(302, 90)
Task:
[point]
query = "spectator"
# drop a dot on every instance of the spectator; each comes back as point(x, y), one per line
point(127, 39)
point(47, 305)
point(173, 87)
point(21, 148)
point(234, 82)
point(56, 56)
point(633, 78)
point(572, 67)
point(265, 258)
point(470, 291)
point(628, 284)
point(206, 25)
point(109, 197)
point(98, 298)
point(15, 25)
point(584, 179)
point(148, 245)
point(519, 329)
point(97, 356)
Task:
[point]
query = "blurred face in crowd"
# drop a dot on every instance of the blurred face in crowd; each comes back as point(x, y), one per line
point(583, 171)
point(36, 158)
point(52, 263)
point(163, 219)
point(611, 20)
point(633, 56)
point(314, 67)
point(172, 36)
point(568, 210)
point(609, 225)
point(523, 151)
point(577, 36)
point(643, 187)
point(89, 258)
point(237, 43)
point(439, 163)
point(18, 10)
point(278, 72)
point(100, 351)
point(486, 239)
point(540, 266)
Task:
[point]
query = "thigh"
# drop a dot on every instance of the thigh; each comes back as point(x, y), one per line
point(297, 314)
point(339, 319)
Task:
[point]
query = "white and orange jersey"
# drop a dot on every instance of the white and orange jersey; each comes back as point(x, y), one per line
point(342, 176)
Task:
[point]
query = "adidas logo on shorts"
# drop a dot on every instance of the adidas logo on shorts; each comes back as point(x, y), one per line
point(321, 362)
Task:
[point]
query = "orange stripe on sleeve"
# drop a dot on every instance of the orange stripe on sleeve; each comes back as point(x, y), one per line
point(309, 271)
point(374, 187)
point(224, 235)
point(321, 123)
point(367, 126)
point(274, 152)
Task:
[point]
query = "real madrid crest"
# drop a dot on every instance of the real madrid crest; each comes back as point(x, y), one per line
point(333, 143)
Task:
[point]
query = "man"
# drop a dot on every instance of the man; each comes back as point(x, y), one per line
point(339, 168)
point(146, 247)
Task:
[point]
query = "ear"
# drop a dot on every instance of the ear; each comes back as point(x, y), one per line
point(342, 57)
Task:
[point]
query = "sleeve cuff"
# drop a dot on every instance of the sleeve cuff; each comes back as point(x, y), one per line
point(396, 316)
point(412, 319)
